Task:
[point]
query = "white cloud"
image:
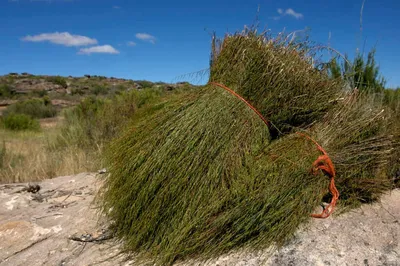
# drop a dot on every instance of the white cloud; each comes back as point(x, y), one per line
point(131, 43)
point(293, 13)
point(62, 38)
point(146, 37)
point(103, 49)
point(288, 12)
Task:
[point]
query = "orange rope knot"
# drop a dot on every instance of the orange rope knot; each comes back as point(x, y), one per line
point(323, 162)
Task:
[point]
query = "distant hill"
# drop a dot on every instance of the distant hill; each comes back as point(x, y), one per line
point(15, 86)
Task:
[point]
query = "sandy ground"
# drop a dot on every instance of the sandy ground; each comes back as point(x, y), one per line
point(48, 227)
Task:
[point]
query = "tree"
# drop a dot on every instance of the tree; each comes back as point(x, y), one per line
point(361, 74)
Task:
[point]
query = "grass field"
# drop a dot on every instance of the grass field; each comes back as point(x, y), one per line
point(28, 156)
point(73, 141)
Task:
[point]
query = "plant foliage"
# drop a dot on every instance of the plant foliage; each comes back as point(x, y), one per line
point(204, 175)
point(36, 108)
point(361, 74)
point(19, 122)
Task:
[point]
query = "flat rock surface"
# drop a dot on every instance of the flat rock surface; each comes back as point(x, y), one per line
point(59, 225)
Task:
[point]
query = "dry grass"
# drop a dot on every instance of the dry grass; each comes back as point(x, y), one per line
point(74, 142)
point(51, 122)
point(2, 108)
point(26, 156)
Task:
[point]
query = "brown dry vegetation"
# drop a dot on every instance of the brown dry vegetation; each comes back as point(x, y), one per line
point(27, 157)
point(73, 141)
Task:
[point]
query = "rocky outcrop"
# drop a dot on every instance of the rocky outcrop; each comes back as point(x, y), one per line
point(5, 103)
point(56, 223)
point(26, 85)
point(45, 228)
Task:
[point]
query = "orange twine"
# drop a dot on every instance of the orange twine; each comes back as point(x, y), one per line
point(242, 99)
point(323, 162)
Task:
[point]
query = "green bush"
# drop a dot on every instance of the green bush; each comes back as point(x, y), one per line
point(5, 90)
point(392, 99)
point(144, 83)
point(95, 121)
point(36, 108)
point(80, 123)
point(99, 90)
point(363, 74)
point(58, 80)
point(121, 87)
point(77, 91)
point(20, 122)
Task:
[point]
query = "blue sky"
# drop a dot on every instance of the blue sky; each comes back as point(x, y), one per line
point(162, 40)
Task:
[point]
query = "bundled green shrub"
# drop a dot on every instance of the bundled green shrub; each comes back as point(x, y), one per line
point(20, 122)
point(195, 179)
point(392, 100)
point(357, 134)
point(205, 175)
point(276, 76)
point(36, 108)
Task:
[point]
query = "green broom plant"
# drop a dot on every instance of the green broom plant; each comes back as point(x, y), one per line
point(201, 174)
